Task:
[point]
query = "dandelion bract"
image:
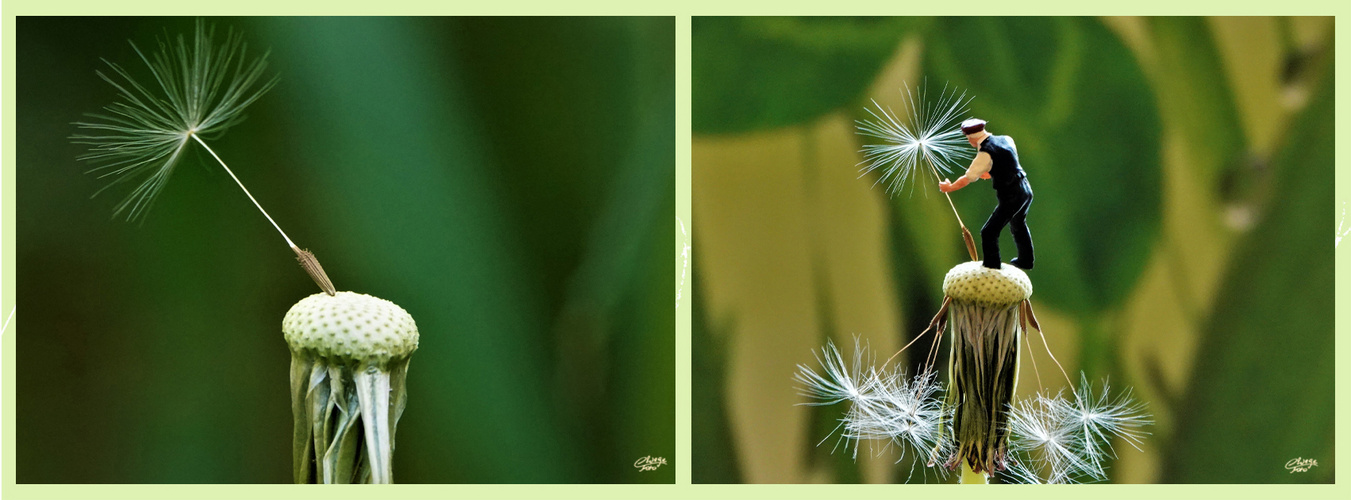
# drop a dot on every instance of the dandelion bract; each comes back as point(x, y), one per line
point(922, 139)
point(196, 89)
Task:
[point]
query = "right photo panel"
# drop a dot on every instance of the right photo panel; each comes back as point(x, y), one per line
point(1013, 250)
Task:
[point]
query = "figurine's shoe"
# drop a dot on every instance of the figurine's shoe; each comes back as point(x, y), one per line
point(1016, 262)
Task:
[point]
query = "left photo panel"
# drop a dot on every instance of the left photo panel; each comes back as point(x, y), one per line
point(345, 250)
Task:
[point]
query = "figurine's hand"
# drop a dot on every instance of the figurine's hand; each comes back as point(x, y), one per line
point(948, 187)
point(985, 176)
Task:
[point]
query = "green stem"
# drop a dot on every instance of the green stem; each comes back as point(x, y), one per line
point(972, 477)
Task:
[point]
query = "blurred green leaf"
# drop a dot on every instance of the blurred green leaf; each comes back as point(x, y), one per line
point(1261, 392)
point(641, 389)
point(621, 386)
point(757, 73)
point(712, 443)
point(1079, 107)
point(1194, 93)
point(594, 197)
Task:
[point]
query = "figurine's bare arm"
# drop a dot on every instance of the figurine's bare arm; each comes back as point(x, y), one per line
point(979, 169)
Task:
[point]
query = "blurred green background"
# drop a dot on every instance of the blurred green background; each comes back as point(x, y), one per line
point(1181, 169)
point(508, 181)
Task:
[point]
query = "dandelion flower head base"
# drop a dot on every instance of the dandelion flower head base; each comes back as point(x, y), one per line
point(985, 314)
point(349, 363)
point(984, 374)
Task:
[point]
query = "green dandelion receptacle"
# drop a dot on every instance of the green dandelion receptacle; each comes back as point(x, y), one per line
point(349, 361)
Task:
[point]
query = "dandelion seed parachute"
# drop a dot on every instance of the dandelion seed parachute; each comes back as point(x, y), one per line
point(202, 92)
point(888, 406)
point(1044, 440)
point(199, 90)
point(923, 138)
point(1067, 440)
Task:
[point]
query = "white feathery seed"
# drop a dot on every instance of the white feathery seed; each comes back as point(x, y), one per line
point(199, 90)
point(1069, 440)
point(1043, 440)
point(925, 136)
point(887, 407)
point(1103, 418)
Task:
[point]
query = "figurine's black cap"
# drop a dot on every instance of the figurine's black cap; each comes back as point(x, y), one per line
point(973, 125)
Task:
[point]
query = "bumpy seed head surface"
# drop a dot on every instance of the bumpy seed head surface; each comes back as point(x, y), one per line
point(972, 281)
point(350, 326)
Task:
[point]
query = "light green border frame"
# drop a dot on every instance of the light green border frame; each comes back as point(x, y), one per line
point(683, 10)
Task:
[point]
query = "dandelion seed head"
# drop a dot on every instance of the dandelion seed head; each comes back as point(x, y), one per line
point(199, 89)
point(922, 140)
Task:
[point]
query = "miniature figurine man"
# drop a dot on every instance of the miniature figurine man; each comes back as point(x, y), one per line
point(998, 160)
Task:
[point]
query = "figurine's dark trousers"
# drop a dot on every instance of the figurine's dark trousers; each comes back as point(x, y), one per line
point(1014, 200)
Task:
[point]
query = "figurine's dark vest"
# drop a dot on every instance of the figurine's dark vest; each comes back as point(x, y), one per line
point(1004, 171)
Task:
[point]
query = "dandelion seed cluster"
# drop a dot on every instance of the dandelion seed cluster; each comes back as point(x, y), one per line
point(1059, 438)
point(924, 137)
